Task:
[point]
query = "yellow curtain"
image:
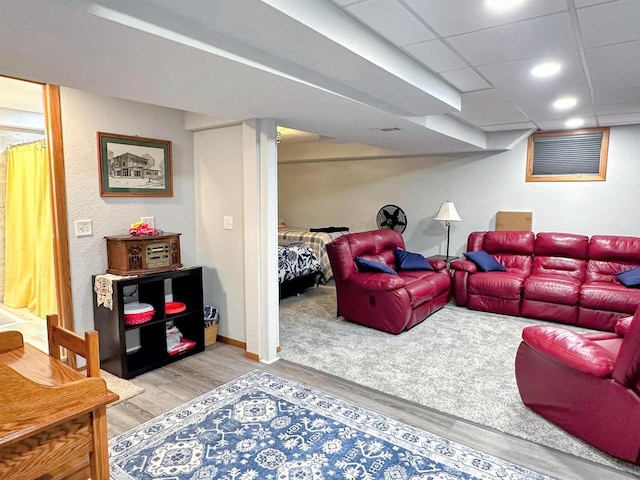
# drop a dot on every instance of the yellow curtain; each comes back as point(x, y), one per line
point(29, 271)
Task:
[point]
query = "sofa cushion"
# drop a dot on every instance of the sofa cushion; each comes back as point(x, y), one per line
point(552, 288)
point(630, 278)
point(613, 248)
point(511, 242)
point(485, 262)
point(610, 297)
point(507, 285)
point(570, 267)
point(365, 265)
point(551, 244)
point(426, 286)
point(411, 261)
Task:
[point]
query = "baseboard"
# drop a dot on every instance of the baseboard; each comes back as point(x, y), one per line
point(231, 341)
point(243, 345)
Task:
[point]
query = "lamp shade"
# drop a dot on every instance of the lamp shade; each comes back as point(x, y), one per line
point(448, 213)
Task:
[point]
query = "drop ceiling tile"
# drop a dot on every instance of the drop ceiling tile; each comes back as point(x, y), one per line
point(535, 95)
point(466, 80)
point(615, 67)
point(549, 125)
point(344, 3)
point(619, 108)
point(537, 38)
point(391, 20)
point(515, 76)
point(544, 112)
point(619, 96)
point(488, 107)
point(588, 3)
point(621, 23)
point(436, 55)
point(509, 126)
point(623, 119)
point(454, 17)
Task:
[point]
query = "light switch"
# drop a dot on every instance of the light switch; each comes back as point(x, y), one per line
point(228, 222)
point(84, 228)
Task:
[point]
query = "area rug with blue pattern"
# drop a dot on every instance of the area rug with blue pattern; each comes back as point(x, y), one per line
point(260, 426)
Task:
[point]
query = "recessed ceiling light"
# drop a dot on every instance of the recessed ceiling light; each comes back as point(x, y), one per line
point(574, 122)
point(503, 4)
point(545, 69)
point(565, 103)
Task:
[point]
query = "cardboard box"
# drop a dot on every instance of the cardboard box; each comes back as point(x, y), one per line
point(514, 221)
point(210, 335)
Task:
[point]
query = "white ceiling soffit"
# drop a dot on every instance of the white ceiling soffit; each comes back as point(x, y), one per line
point(187, 58)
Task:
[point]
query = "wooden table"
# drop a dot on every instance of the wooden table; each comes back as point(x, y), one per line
point(53, 422)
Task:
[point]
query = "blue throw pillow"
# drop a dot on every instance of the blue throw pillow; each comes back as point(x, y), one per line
point(411, 261)
point(365, 265)
point(485, 262)
point(630, 278)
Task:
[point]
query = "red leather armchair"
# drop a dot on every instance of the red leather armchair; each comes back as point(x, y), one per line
point(588, 384)
point(381, 300)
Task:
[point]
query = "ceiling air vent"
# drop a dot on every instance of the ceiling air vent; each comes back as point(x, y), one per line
point(388, 129)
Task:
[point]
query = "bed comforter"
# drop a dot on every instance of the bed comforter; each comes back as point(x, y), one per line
point(296, 261)
point(317, 241)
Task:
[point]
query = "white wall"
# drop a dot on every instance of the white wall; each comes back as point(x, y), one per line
point(84, 114)
point(219, 189)
point(350, 193)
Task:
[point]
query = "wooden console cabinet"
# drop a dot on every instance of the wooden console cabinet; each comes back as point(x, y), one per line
point(141, 254)
point(130, 350)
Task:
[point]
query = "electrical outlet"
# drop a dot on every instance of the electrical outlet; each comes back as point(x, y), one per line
point(228, 223)
point(151, 221)
point(84, 228)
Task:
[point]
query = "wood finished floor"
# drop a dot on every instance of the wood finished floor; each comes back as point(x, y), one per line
point(179, 382)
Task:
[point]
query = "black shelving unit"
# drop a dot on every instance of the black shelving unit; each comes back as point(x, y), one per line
point(127, 359)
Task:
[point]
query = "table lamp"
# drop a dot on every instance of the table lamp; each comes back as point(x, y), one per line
point(448, 214)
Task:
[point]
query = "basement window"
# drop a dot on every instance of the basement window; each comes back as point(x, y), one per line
point(576, 156)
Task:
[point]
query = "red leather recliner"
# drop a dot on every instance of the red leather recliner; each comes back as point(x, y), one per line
point(561, 277)
point(588, 384)
point(381, 300)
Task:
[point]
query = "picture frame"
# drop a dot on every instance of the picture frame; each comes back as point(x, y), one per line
point(132, 166)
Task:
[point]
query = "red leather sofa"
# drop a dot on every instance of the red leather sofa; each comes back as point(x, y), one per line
point(381, 300)
point(588, 384)
point(560, 277)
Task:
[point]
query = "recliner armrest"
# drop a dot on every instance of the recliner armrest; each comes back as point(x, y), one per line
point(437, 264)
point(464, 265)
point(377, 281)
point(570, 348)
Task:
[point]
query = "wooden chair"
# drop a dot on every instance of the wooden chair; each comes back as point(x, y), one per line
point(53, 422)
point(75, 346)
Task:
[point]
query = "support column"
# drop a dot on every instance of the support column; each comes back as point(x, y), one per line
point(260, 174)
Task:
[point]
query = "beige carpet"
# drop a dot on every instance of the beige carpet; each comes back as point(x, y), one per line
point(123, 388)
point(458, 361)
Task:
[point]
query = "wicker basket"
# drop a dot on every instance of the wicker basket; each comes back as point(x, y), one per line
point(210, 335)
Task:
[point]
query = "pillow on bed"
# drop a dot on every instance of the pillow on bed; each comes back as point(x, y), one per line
point(365, 265)
point(411, 261)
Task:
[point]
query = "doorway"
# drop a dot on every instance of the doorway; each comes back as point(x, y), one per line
point(30, 132)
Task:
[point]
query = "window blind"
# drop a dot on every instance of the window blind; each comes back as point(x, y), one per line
point(567, 155)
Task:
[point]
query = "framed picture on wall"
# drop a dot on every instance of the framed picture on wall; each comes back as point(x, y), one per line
point(132, 166)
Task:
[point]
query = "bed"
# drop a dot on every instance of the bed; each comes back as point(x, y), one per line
point(317, 241)
point(298, 268)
